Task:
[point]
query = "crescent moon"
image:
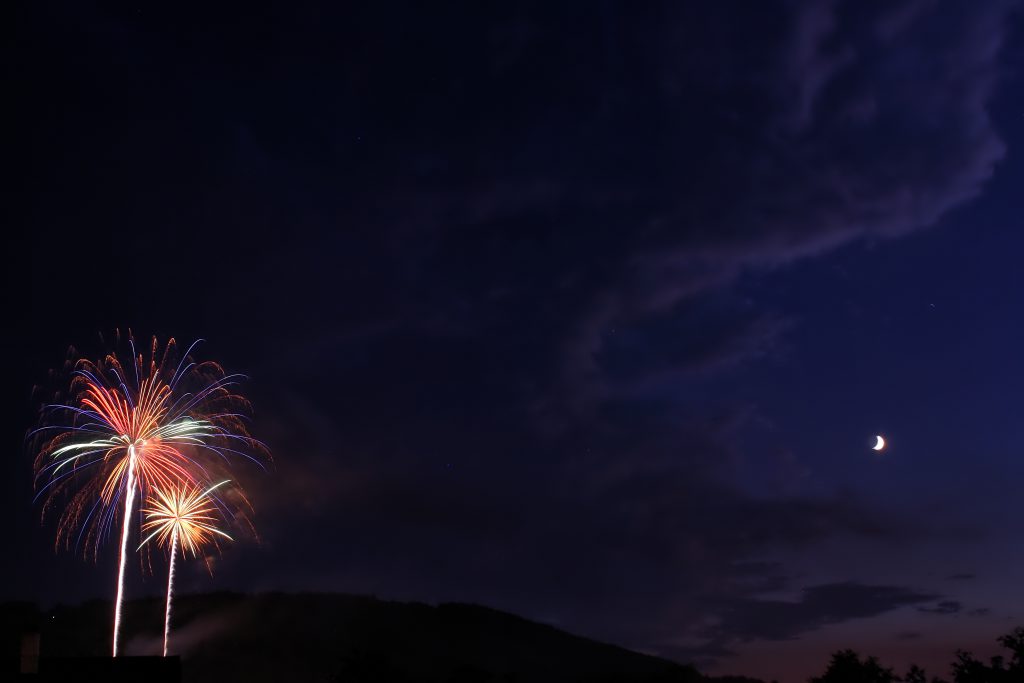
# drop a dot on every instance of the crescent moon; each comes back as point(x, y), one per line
point(879, 445)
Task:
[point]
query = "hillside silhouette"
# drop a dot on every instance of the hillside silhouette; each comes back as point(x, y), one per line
point(332, 637)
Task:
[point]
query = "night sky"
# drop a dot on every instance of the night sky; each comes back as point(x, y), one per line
point(587, 311)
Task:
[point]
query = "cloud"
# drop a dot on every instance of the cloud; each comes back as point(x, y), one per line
point(818, 606)
point(623, 187)
point(947, 607)
point(944, 607)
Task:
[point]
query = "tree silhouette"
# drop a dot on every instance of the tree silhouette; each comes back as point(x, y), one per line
point(968, 669)
point(1014, 642)
point(847, 667)
point(915, 675)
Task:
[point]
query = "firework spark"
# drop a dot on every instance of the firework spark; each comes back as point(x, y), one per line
point(186, 515)
point(162, 427)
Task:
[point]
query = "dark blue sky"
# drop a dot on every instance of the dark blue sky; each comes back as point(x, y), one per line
point(587, 313)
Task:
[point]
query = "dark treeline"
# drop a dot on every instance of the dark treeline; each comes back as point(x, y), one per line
point(847, 666)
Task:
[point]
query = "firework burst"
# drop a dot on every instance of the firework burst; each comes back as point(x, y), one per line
point(186, 516)
point(129, 428)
